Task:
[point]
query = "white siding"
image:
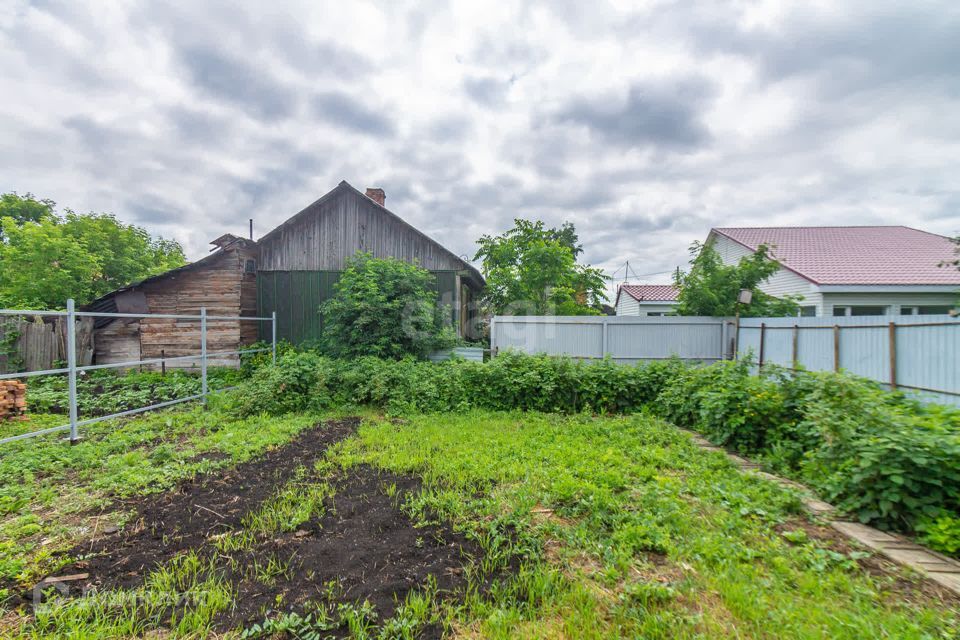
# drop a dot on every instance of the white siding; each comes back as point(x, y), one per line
point(893, 301)
point(628, 306)
point(783, 283)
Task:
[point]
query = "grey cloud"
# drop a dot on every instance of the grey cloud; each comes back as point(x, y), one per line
point(485, 90)
point(194, 125)
point(155, 213)
point(654, 115)
point(225, 77)
point(448, 128)
point(349, 113)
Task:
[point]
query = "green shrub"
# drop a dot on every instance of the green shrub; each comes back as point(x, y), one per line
point(941, 533)
point(298, 382)
point(386, 308)
point(887, 460)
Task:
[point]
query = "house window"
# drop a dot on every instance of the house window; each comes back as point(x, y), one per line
point(860, 310)
point(808, 311)
point(937, 309)
point(250, 266)
point(868, 310)
point(908, 311)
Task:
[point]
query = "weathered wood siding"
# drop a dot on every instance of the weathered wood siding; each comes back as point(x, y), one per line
point(42, 345)
point(221, 285)
point(119, 341)
point(325, 234)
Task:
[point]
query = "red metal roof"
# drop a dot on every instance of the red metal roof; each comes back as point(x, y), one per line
point(651, 292)
point(855, 255)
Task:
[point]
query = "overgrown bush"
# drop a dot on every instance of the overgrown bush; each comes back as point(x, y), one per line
point(386, 308)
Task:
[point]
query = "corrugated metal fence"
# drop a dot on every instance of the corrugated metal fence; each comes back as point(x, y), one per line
point(915, 353)
point(625, 339)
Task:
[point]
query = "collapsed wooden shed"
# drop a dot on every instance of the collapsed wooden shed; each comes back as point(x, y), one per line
point(223, 282)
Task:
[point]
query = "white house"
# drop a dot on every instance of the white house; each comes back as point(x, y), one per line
point(646, 299)
point(852, 271)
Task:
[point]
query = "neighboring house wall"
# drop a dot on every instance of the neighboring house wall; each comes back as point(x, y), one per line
point(895, 302)
point(629, 306)
point(782, 283)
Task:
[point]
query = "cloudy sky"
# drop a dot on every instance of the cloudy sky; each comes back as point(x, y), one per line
point(644, 124)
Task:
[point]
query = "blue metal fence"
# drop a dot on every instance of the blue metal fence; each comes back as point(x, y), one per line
point(914, 353)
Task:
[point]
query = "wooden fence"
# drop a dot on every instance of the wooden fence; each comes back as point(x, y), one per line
point(30, 344)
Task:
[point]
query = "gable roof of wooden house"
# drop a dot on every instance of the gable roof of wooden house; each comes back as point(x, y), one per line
point(323, 235)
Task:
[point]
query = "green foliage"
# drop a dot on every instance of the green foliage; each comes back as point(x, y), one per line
point(385, 308)
point(619, 524)
point(9, 335)
point(888, 460)
point(101, 393)
point(25, 208)
point(46, 258)
point(298, 382)
point(941, 534)
point(532, 270)
point(711, 287)
point(877, 455)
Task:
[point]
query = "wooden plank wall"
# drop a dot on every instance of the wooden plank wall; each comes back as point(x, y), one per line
point(333, 230)
point(216, 286)
point(42, 345)
point(249, 330)
point(221, 285)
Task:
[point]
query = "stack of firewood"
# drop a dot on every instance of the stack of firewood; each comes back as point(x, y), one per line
point(13, 399)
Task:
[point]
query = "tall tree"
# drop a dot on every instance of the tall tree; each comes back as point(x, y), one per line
point(46, 258)
point(24, 208)
point(711, 288)
point(532, 269)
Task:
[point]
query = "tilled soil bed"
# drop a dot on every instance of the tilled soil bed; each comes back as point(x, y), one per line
point(363, 542)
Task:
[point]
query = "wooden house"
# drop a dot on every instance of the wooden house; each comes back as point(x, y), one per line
point(301, 259)
point(290, 271)
point(223, 282)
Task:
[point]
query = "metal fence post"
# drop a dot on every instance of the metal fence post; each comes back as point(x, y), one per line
point(203, 354)
point(72, 370)
point(892, 342)
point(273, 336)
point(605, 339)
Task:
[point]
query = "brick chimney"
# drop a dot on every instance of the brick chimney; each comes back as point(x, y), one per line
point(377, 195)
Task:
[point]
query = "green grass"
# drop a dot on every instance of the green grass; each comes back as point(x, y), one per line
point(47, 486)
point(626, 529)
point(591, 528)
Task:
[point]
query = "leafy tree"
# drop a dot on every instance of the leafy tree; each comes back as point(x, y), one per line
point(46, 258)
point(24, 209)
point(386, 308)
point(531, 269)
point(711, 288)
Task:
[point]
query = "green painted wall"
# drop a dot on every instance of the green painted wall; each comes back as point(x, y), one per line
point(296, 297)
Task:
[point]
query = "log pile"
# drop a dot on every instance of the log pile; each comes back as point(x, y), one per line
point(13, 399)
